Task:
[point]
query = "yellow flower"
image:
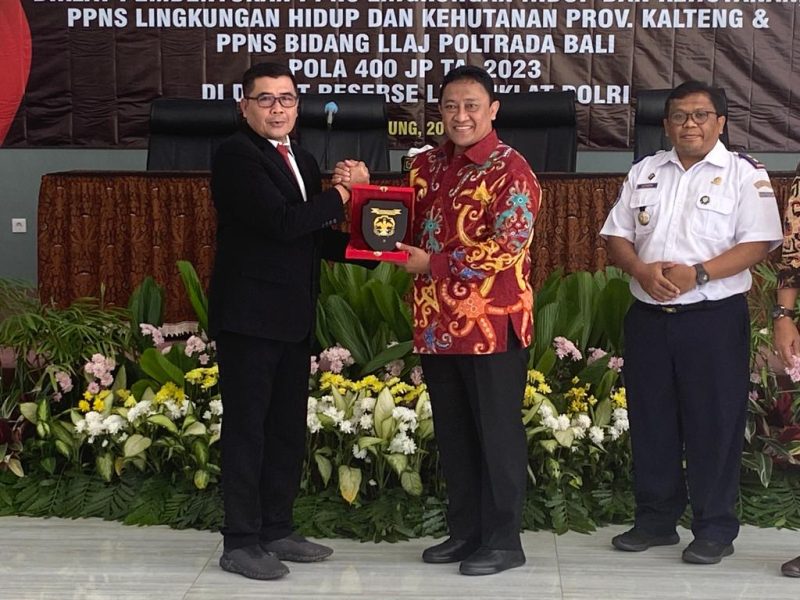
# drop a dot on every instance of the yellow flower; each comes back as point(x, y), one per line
point(575, 380)
point(330, 380)
point(169, 391)
point(195, 375)
point(84, 406)
point(591, 400)
point(87, 395)
point(530, 396)
point(99, 405)
point(619, 398)
point(130, 401)
point(545, 389)
point(577, 406)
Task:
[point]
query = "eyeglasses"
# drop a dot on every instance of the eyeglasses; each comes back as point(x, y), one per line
point(698, 116)
point(268, 100)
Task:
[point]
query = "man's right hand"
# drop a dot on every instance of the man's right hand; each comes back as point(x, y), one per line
point(787, 340)
point(653, 281)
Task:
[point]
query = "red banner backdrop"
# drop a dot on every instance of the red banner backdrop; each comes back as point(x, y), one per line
point(98, 64)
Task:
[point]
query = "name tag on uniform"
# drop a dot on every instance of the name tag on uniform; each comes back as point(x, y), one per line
point(647, 186)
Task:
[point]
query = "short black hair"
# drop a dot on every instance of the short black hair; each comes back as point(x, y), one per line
point(265, 69)
point(692, 86)
point(472, 73)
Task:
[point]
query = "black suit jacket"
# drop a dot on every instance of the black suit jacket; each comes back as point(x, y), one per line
point(265, 279)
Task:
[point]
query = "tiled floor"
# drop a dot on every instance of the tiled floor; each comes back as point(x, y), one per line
point(97, 560)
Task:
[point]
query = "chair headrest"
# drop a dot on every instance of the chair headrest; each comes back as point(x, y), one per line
point(536, 109)
point(650, 105)
point(362, 111)
point(186, 116)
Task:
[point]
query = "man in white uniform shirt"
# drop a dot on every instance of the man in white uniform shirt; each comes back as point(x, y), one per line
point(687, 226)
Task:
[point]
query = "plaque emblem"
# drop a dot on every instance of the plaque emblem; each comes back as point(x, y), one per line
point(383, 223)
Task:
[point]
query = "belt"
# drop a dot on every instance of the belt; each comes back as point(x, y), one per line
point(672, 309)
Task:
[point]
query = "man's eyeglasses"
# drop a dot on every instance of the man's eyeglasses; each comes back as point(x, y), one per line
point(268, 100)
point(698, 116)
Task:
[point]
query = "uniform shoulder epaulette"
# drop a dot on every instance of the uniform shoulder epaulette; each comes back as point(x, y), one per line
point(641, 158)
point(753, 161)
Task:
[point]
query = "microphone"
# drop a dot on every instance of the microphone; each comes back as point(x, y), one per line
point(331, 108)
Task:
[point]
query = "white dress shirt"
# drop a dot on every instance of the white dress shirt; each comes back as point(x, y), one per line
point(295, 168)
point(691, 216)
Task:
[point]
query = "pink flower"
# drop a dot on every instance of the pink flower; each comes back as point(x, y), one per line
point(204, 358)
point(794, 371)
point(565, 348)
point(596, 354)
point(395, 367)
point(57, 397)
point(416, 375)
point(615, 363)
point(152, 331)
point(314, 365)
point(64, 381)
point(194, 345)
point(94, 387)
point(335, 359)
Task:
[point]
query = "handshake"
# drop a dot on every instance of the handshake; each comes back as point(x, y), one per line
point(349, 172)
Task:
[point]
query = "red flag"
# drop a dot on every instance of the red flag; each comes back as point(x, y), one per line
point(15, 61)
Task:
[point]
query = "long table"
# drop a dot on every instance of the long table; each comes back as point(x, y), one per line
point(104, 231)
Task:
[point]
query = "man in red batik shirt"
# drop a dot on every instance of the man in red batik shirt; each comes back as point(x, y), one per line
point(476, 201)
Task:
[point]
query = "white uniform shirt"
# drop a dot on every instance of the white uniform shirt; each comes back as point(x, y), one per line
point(696, 215)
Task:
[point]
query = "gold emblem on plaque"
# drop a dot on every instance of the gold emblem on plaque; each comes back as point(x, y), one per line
point(644, 217)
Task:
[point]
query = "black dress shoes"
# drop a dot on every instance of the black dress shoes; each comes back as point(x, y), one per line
point(487, 561)
point(791, 568)
point(637, 540)
point(296, 548)
point(252, 562)
point(450, 551)
point(706, 552)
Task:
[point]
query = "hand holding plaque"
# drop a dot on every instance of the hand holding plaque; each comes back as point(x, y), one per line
point(380, 216)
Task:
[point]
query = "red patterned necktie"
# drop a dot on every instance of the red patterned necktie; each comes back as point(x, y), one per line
point(284, 151)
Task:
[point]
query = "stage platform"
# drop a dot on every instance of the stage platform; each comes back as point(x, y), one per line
point(90, 559)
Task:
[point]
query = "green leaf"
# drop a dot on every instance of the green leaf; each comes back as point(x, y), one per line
point(136, 444)
point(105, 466)
point(28, 410)
point(382, 419)
point(346, 328)
point(163, 421)
point(194, 290)
point(201, 479)
point(602, 412)
point(196, 428)
point(159, 368)
point(398, 462)
point(15, 466)
point(367, 441)
point(386, 356)
point(200, 451)
point(549, 445)
point(411, 482)
point(324, 467)
point(349, 482)
point(564, 438)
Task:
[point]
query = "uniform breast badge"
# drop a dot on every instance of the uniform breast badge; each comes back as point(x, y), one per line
point(643, 217)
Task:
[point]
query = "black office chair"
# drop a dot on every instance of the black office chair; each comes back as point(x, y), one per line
point(185, 133)
point(649, 135)
point(358, 129)
point(540, 126)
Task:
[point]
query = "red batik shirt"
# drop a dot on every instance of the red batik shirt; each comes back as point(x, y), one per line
point(474, 215)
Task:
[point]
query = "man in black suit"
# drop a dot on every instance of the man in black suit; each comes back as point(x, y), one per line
point(273, 227)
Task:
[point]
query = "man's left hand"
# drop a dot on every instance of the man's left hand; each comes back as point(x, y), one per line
point(683, 276)
point(419, 261)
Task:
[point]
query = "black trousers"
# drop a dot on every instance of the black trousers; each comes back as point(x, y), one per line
point(687, 377)
point(264, 386)
point(477, 402)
